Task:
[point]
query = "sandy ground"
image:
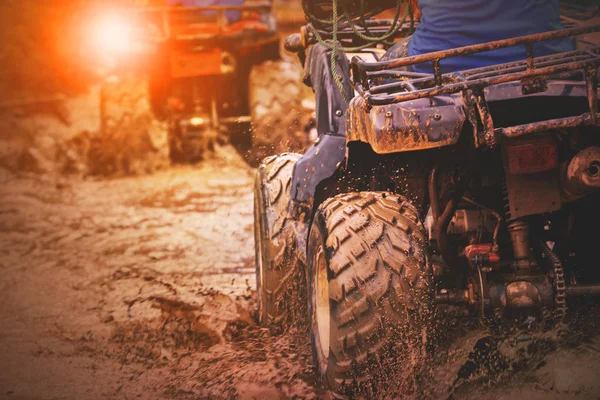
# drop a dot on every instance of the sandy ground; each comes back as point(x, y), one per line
point(144, 288)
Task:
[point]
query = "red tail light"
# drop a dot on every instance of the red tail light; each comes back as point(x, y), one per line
point(532, 157)
point(482, 253)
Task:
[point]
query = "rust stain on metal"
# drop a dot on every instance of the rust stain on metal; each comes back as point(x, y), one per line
point(591, 79)
point(406, 131)
point(548, 125)
point(393, 128)
point(462, 51)
point(480, 83)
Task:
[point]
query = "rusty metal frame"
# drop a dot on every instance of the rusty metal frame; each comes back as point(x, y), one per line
point(531, 72)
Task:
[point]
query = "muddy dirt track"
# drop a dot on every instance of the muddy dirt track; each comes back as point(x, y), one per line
point(144, 288)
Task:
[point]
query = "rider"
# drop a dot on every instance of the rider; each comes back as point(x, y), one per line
point(449, 24)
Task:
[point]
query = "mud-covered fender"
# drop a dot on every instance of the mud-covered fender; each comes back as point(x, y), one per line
point(413, 125)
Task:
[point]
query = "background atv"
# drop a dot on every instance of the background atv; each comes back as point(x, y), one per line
point(476, 190)
point(213, 71)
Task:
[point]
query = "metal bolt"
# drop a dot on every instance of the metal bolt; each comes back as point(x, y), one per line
point(437, 116)
point(338, 113)
point(388, 114)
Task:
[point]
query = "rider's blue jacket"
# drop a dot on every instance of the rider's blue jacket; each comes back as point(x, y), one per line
point(447, 24)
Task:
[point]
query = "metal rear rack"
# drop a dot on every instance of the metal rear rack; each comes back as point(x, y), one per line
point(532, 72)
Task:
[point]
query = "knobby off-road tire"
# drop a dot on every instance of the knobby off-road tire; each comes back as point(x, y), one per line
point(130, 140)
point(368, 289)
point(278, 119)
point(277, 270)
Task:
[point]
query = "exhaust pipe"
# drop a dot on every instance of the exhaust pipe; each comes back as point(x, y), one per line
point(581, 175)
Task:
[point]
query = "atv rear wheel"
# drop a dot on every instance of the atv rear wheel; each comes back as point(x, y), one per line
point(368, 288)
point(275, 99)
point(130, 140)
point(273, 236)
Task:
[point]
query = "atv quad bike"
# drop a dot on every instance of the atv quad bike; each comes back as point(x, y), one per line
point(476, 189)
point(216, 71)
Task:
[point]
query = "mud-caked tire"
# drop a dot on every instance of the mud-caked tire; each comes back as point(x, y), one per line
point(130, 140)
point(277, 114)
point(368, 290)
point(277, 271)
